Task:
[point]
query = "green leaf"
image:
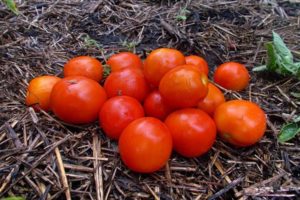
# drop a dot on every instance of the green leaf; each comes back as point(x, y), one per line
point(288, 132)
point(13, 198)
point(11, 5)
point(295, 94)
point(281, 49)
point(296, 119)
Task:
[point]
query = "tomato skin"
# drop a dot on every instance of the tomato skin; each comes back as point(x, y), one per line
point(199, 62)
point(84, 66)
point(193, 131)
point(232, 76)
point(159, 62)
point(117, 112)
point(124, 60)
point(213, 99)
point(77, 99)
point(129, 82)
point(39, 91)
point(154, 106)
point(145, 145)
point(240, 122)
point(183, 86)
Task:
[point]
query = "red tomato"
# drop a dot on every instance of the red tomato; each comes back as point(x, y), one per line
point(239, 122)
point(199, 62)
point(232, 76)
point(124, 60)
point(159, 62)
point(77, 99)
point(212, 100)
point(183, 86)
point(129, 82)
point(39, 90)
point(84, 66)
point(193, 131)
point(155, 107)
point(117, 112)
point(145, 145)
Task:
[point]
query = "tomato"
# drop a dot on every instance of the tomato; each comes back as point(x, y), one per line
point(193, 131)
point(154, 106)
point(232, 76)
point(130, 82)
point(39, 90)
point(199, 62)
point(117, 112)
point(159, 62)
point(212, 100)
point(84, 66)
point(77, 99)
point(239, 122)
point(145, 145)
point(183, 86)
point(124, 60)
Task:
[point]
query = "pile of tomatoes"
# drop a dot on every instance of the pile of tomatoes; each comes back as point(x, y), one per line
point(152, 107)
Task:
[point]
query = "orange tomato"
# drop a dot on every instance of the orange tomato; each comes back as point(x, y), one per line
point(129, 82)
point(84, 66)
point(193, 131)
point(117, 112)
point(239, 122)
point(213, 99)
point(39, 90)
point(124, 60)
point(183, 86)
point(77, 99)
point(159, 62)
point(232, 76)
point(199, 62)
point(145, 145)
point(154, 106)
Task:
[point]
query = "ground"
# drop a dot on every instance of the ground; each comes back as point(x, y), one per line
point(36, 148)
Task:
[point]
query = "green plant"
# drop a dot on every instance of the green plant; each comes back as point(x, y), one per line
point(280, 59)
point(11, 5)
point(182, 15)
point(289, 131)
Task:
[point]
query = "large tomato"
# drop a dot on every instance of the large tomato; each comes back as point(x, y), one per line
point(129, 82)
point(124, 60)
point(77, 99)
point(193, 131)
point(84, 66)
point(199, 62)
point(213, 99)
point(232, 76)
point(154, 106)
point(183, 86)
point(117, 112)
point(239, 122)
point(159, 62)
point(145, 145)
point(39, 90)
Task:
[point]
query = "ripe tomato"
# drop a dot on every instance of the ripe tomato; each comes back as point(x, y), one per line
point(84, 66)
point(183, 86)
point(124, 60)
point(199, 62)
point(193, 131)
point(130, 82)
point(117, 112)
point(145, 145)
point(232, 76)
point(155, 107)
point(239, 122)
point(212, 100)
point(77, 99)
point(159, 62)
point(39, 90)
